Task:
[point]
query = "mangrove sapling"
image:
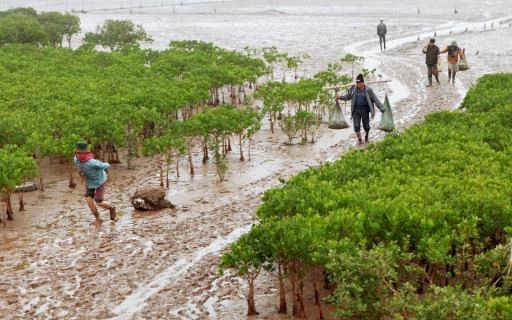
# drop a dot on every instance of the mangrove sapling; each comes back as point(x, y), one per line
point(246, 259)
point(215, 143)
point(240, 142)
point(190, 131)
point(189, 155)
point(273, 100)
point(289, 125)
point(304, 121)
point(12, 156)
point(174, 155)
point(6, 198)
point(313, 129)
point(226, 142)
point(271, 56)
point(165, 149)
point(292, 63)
point(71, 26)
point(251, 130)
point(368, 73)
point(282, 292)
point(71, 170)
point(130, 137)
point(20, 196)
point(298, 242)
point(112, 152)
point(317, 272)
point(206, 157)
point(352, 59)
point(246, 124)
point(39, 144)
point(3, 212)
point(276, 257)
point(118, 34)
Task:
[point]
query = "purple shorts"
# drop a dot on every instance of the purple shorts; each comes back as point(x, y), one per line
point(97, 194)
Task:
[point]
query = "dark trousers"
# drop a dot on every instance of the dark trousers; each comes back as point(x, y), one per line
point(361, 113)
point(432, 70)
point(382, 41)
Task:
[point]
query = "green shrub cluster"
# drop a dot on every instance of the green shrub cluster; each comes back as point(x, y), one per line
point(142, 100)
point(415, 227)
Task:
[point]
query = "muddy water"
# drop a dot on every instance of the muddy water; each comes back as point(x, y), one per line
point(162, 265)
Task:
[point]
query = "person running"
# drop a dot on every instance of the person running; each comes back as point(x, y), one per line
point(381, 32)
point(95, 174)
point(454, 53)
point(363, 105)
point(431, 52)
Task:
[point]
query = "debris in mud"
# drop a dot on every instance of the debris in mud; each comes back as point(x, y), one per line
point(26, 187)
point(150, 198)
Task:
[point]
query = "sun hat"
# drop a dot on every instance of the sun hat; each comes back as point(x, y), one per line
point(82, 147)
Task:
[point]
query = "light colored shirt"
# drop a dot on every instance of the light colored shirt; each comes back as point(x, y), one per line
point(93, 171)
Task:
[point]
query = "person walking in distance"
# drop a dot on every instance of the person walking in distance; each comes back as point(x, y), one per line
point(95, 174)
point(454, 52)
point(363, 102)
point(431, 52)
point(381, 32)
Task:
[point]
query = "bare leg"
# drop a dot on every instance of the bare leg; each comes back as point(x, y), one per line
point(110, 207)
point(94, 210)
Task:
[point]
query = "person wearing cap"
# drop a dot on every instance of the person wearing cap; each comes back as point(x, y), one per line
point(454, 52)
point(363, 102)
point(95, 174)
point(431, 52)
point(381, 32)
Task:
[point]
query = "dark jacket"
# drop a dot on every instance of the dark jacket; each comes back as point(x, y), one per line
point(431, 54)
point(371, 98)
point(381, 29)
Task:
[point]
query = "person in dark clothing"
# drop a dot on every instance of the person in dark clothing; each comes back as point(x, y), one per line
point(363, 100)
point(431, 52)
point(381, 32)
